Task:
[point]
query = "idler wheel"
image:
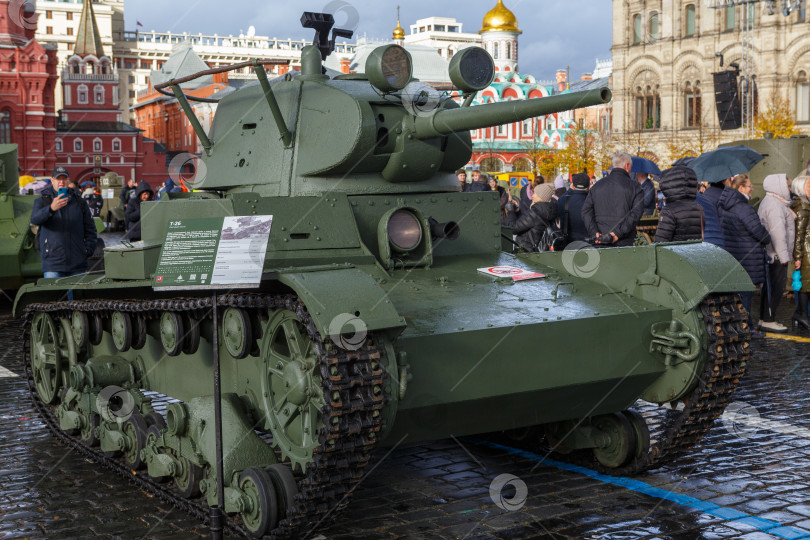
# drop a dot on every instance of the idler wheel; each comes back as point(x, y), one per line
point(292, 388)
point(121, 329)
point(191, 341)
point(135, 431)
point(236, 332)
point(155, 419)
point(171, 332)
point(261, 516)
point(138, 332)
point(619, 440)
point(642, 432)
point(96, 329)
point(285, 484)
point(46, 357)
point(187, 480)
point(80, 326)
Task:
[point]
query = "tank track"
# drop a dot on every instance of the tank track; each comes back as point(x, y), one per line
point(673, 433)
point(338, 466)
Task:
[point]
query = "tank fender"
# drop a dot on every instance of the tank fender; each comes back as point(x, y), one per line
point(345, 300)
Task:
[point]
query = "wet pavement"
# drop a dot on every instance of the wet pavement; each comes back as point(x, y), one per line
point(750, 478)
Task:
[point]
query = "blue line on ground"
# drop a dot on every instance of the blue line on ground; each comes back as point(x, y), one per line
point(728, 514)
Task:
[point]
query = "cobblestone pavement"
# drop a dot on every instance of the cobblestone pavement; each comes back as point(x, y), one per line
point(749, 479)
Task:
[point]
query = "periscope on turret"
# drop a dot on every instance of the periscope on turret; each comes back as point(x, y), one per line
point(383, 310)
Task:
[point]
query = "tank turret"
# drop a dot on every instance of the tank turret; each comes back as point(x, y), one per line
point(298, 134)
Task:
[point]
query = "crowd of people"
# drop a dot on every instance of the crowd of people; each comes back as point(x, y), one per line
point(769, 243)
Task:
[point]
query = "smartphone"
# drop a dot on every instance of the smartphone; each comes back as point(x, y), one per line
point(62, 191)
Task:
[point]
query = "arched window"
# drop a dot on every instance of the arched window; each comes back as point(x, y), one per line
point(495, 48)
point(648, 108)
point(802, 98)
point(57, 145)
point(5, 127)
point(522, 164)
point(637, 29)
point(116, 145)
point(654, 29)
point(491, 164)
point(82, 94)
point(692, 104)
point(96, 145)
point(689, 29)
point(508, 51)
point(77, 145)
point(98, 94)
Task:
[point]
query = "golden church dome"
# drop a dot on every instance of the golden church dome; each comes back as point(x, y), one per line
point(399, 32)
point(499, 18)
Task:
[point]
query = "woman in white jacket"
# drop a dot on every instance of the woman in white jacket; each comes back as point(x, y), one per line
point(779, 220)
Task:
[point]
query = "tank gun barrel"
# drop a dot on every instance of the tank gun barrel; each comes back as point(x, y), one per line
point(444, 122)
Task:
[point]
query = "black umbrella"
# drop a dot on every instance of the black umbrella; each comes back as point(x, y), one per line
point(644, 165)
point(725, 162)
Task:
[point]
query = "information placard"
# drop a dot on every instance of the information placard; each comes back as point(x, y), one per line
point(213, 252)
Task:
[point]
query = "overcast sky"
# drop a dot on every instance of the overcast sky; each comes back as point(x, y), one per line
point(555, 34)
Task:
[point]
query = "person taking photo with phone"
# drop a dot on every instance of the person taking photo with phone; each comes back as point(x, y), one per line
point(67, 236)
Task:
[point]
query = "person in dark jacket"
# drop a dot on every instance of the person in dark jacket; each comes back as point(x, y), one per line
point(142, 193)
point(67, 236)
point(461, 174)
point(575, 198)
point(744, 235)
point(712, 228)
point(478, 183)
point(503, 196)
point(648, 188)
point(531, 224)
point(170, 186)
point(614, 205)
point(682, 217)
point(527, 193)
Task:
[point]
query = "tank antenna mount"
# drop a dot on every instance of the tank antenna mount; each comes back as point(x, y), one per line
point(322, 23)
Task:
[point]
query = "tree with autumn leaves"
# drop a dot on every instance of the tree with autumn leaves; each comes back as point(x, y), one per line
point(776, 119)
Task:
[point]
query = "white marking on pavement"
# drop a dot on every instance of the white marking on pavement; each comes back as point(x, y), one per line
point(753, 423)
point(6, 373)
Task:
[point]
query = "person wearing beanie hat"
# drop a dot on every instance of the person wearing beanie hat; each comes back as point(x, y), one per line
point(569, 209)
point(532, 223)
point(559, 186)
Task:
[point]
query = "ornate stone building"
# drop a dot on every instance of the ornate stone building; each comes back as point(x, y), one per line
point(664, 54)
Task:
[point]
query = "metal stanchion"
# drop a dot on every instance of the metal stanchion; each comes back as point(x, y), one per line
point(217, 514)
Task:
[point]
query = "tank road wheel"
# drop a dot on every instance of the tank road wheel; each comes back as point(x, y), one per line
point(135, 431)
point(286, 486)
point(618, 437)
point(138, 332)
point(191, 341)
point(236, 332)
point(67, 348)
point(96, 329)
point(46, 358)
point(121, 330)
point(641, 431)
point(187, 479)
point(171, 332)
point(152, 435)
point(80, 326)
point(293, 388)
point(155, 419)
point(261, 516)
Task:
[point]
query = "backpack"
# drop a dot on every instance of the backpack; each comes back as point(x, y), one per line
point(554, 238)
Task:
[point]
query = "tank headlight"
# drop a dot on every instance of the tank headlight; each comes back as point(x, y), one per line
point(404, 231)
point(389, 68)
point(472, 69)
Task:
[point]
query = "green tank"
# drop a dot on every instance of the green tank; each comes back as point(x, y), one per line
point(373, 322)
point(19, 254)
point(789, 156)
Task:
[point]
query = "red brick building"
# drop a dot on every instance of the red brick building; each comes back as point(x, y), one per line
point(90, 138)
point(27, 85)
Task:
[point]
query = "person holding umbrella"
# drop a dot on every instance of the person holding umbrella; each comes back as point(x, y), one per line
point(745, 236)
